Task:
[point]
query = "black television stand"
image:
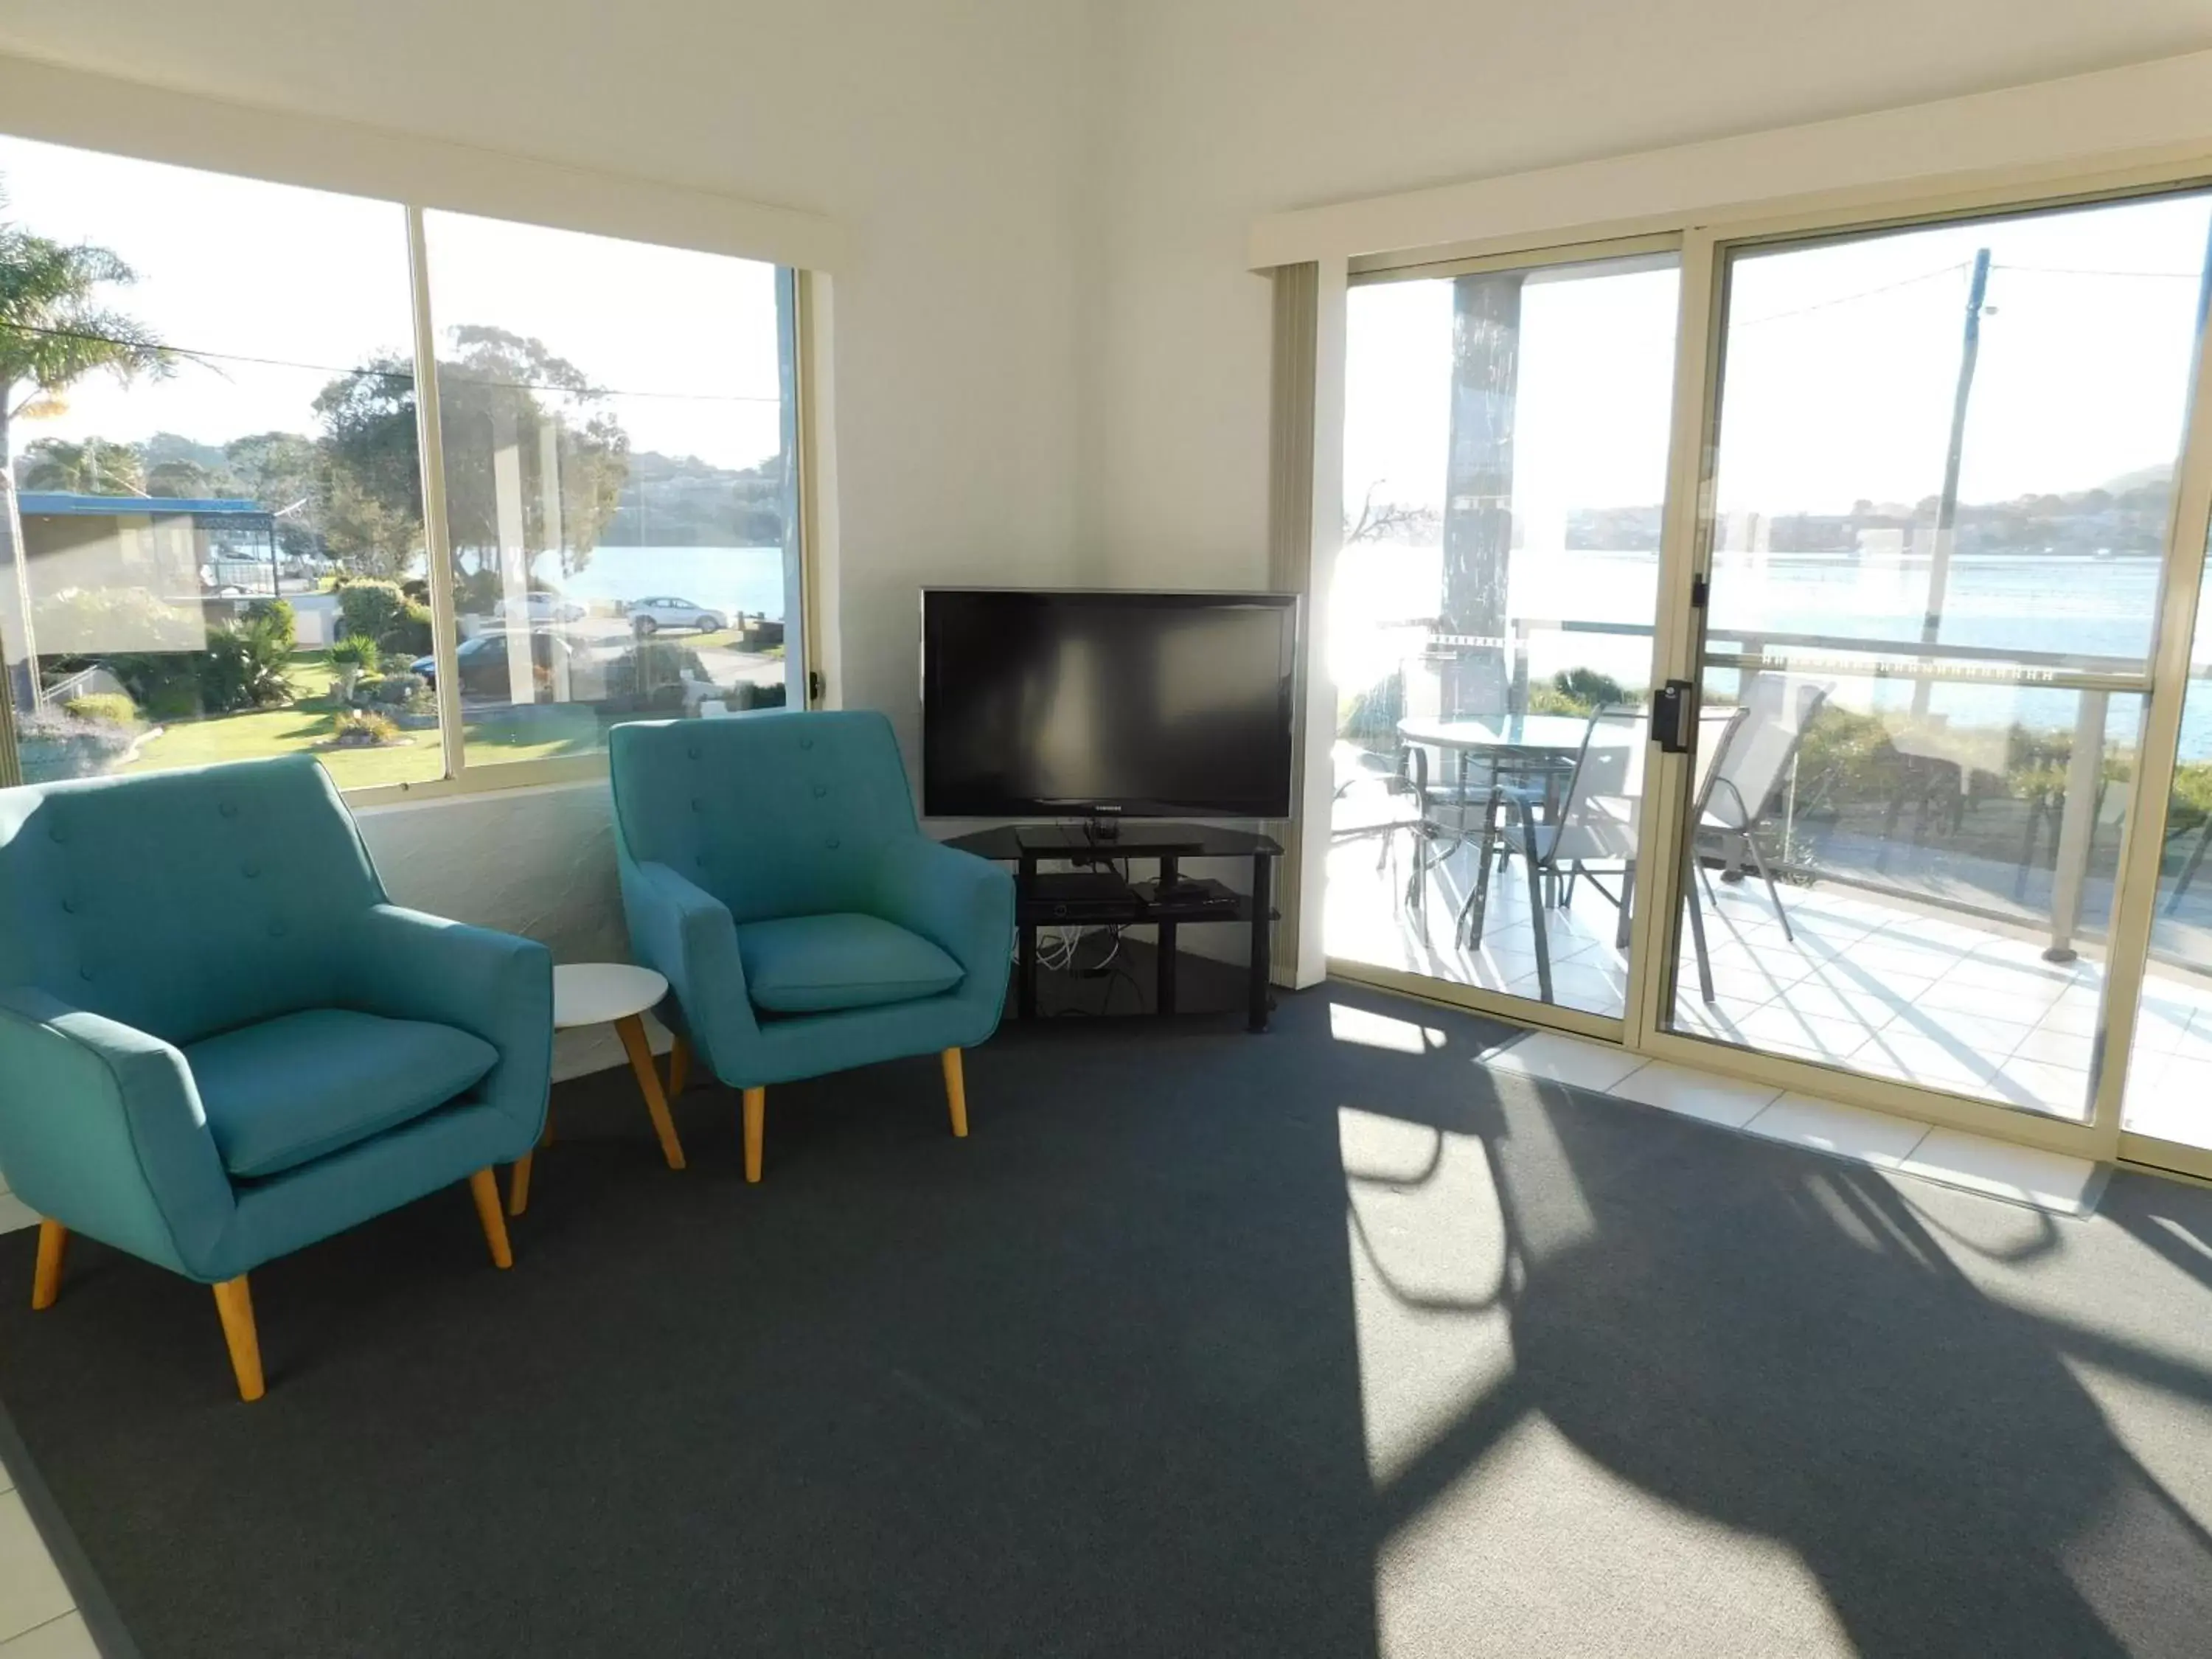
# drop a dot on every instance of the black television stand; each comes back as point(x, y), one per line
point(1096, 897)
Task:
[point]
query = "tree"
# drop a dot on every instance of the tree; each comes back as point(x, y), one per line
point(286, 474)
point(1380, 522)
point(501, 395)
point(187, 481)
point(53, 333)
point(94, 467)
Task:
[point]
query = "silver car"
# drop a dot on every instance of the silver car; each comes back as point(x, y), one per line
point(650, 615)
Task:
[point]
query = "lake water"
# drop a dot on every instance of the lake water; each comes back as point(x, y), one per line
point(2084, 607)
point(731, 579)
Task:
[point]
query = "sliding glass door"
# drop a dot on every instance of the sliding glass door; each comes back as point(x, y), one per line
point(1942, 474)
point(1491, 623)
point(2166, 1107)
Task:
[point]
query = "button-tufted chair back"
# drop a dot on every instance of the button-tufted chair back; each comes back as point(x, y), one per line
point(182, 903)
point(775, 814)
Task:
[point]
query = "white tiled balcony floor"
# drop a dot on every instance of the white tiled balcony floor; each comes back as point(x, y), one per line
point(1874, 984)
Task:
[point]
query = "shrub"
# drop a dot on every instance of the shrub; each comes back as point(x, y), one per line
point(165, 684)
point(246, 665)
point(1577, 692)
point(747, 695)
point(52, 745)
point(478, 592)
point(368, 607)
point(412, 635)
point(1370, 718)
point(366, 730)
point(103, 708)
point(354, 651)
point(400, 690)
point(277, 615)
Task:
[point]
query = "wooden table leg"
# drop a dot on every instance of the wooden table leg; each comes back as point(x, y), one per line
point(679, 1067)
point(632, 1031)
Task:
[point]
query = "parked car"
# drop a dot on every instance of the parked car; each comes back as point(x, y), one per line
point(483, 661)
point(650, 615)
point(542, 607)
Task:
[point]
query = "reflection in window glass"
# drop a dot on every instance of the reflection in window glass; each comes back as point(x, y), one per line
point(201, 563)
point(617, 482)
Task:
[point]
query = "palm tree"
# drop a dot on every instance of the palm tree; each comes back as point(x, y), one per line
point(53, 332)
point(94, 467)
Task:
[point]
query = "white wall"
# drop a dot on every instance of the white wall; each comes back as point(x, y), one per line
point(1217, 113)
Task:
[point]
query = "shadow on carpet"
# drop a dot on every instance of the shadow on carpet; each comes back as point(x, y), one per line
point(1329, 1342)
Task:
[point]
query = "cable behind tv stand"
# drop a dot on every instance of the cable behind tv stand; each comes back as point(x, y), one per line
point(1093, 896)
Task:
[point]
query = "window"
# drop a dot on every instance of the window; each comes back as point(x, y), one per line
point(617, 481)
point(215, 546)
point(174, 350)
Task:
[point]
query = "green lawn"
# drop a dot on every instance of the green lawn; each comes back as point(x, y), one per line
point(529, 733)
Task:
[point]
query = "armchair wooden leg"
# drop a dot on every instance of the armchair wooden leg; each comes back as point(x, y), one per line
point(484, 1187)
point(679, 1067)
point(234, 1306)
point(956, 1092)
point(755, 1120)
point(632, 1031)
point(518, 1185)
point(47, 1281)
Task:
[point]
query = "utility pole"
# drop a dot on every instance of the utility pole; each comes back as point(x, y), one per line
point(1947, 505)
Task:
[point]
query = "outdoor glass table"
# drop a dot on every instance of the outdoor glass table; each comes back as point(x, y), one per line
point(1536, 747)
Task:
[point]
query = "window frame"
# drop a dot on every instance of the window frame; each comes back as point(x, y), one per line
point(801, 320)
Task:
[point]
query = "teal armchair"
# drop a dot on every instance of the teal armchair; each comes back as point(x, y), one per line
point(772, 871)
point(220, 1042)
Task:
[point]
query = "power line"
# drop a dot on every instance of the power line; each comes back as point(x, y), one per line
point(2087, 270)
point(365, 373)
point(1860, 293)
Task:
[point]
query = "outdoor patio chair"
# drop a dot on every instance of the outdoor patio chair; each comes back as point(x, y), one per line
point(1596, 825)
point(1778, 708)
point(1373, 796)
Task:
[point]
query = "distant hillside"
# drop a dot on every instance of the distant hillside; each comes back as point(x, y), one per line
point(2126, 515)
point(672, 500)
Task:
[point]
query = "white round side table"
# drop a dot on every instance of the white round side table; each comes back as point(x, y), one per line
point(608, 993)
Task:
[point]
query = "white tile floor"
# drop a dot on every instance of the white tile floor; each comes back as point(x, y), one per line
point(2067, 1185)
point(1877, 985)
point(38, 1616)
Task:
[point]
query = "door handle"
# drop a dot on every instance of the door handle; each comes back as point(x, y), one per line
point(1673, 716)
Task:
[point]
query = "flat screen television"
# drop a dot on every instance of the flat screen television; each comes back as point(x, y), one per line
point(1044, 703)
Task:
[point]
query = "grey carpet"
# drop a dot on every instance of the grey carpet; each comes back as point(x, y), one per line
point(1203, 1345)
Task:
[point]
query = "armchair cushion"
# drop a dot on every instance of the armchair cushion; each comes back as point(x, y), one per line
point(287, 1091)
point(815, 965)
